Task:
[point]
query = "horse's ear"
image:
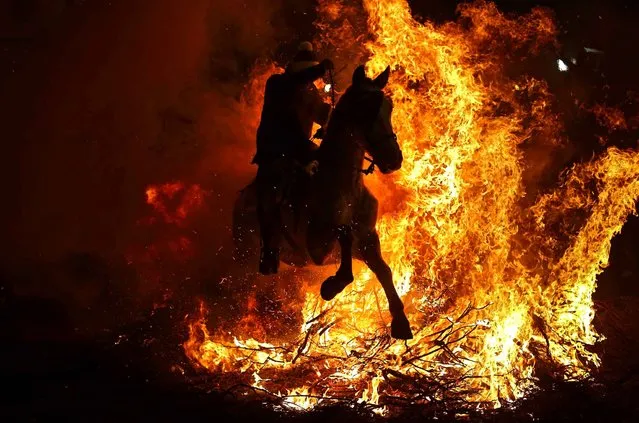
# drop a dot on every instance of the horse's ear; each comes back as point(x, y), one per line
point(382, 78)
point(359, 76)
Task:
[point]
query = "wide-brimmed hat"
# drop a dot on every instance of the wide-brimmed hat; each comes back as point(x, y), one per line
point(304, 58)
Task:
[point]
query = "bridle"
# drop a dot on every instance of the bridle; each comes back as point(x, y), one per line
point(371, 167)
point(331, 80)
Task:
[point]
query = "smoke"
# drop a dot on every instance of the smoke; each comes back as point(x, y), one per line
point(105, 98)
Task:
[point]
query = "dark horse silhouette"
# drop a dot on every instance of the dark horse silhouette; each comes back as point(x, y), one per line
point(334, 207)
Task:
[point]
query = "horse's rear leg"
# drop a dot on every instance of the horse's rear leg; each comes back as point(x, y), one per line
point(333, 285)
point(371, 253)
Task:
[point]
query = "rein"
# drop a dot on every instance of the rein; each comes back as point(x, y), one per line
point(370, 169)
point(331, 80)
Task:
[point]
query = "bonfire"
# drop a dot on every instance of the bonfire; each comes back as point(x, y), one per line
point(497, 281)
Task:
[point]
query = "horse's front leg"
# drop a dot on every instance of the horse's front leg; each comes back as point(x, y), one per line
point(371, 253)
point(333, 285)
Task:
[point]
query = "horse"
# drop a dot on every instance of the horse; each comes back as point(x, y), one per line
point(335, 207)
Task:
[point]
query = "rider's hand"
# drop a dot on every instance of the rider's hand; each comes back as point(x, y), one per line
point(328, 64)
point(312, 167)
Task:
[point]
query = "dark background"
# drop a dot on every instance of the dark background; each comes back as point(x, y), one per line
point(100, 98)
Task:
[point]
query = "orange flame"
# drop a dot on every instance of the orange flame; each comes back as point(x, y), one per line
point(172, 201)
point(494, 286)
point(610, 117)
point(171, 206)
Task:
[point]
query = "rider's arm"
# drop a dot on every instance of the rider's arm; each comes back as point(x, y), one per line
point(321, 110)
point(309, 74)
point(312, 73)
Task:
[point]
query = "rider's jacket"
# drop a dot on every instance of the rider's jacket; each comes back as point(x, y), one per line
point(292, 104)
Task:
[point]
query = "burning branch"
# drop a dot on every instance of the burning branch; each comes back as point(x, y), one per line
point(456, 233)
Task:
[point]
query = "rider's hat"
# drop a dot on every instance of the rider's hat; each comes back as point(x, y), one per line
point(304, 58)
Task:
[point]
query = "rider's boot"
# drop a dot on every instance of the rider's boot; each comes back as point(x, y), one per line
point(269, 259)
point(268, 215)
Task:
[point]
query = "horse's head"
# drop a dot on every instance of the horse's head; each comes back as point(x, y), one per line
point(371, 112)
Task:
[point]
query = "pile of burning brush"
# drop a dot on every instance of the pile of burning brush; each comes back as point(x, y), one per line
point(497, 275)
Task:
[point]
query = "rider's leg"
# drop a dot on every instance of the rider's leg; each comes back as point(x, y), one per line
point(269, 220)
point(344, 276)
point(371, 253)
point(269, 252)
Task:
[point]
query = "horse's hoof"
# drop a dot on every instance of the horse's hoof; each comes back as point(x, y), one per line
point(332, 286)
point(400, 328)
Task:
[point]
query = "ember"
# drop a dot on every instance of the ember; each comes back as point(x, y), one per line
point(496, 285)
point(183, 200)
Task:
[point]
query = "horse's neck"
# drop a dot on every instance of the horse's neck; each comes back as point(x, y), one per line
point(340, 155)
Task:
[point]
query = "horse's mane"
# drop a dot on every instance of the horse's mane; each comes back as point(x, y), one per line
point(336, 120)
point(342, 112)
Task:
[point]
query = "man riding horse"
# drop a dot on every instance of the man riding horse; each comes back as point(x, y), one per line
point(292, 104)
point(331, 217)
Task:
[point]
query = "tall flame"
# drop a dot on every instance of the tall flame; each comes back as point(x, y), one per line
point(496, 284)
